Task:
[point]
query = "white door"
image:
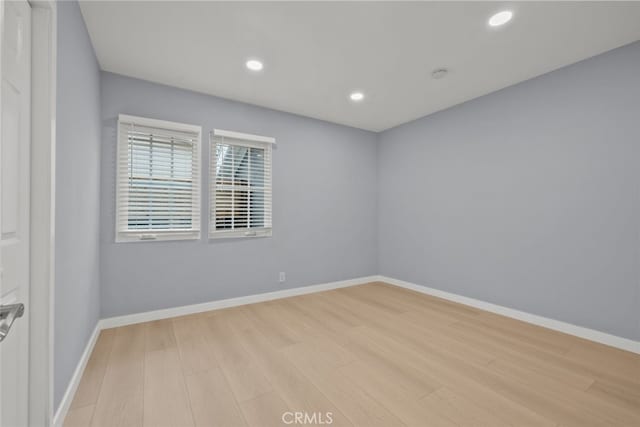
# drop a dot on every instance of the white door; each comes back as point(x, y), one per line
point(15, 142)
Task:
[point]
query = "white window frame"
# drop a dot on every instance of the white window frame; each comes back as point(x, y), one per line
point(158, 235)
point(245, 140)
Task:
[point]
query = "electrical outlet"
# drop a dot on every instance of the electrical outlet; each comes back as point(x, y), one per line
point(283, 277)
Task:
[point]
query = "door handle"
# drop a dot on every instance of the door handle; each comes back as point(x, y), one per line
point(9, 313)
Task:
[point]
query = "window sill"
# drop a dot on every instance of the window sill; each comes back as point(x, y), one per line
point(131, 237)
point(244, 233)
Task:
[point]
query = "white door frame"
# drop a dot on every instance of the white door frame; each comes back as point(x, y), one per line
point(43, 143)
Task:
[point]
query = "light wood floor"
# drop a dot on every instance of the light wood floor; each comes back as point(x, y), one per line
point(371, 355)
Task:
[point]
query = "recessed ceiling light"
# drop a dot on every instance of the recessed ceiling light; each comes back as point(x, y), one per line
point(439, 73)
point(356, 96)
point(500, 18)
point(254, 65)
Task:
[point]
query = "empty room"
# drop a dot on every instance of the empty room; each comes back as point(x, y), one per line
point(319, 213)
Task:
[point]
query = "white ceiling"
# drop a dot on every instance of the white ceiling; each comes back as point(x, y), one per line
point(316, 53)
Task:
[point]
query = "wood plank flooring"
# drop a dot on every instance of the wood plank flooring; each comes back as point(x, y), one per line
point(370, 355)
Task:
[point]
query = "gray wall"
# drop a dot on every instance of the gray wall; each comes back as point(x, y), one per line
point(324, 207)
point(528, 197)
point(77, 291)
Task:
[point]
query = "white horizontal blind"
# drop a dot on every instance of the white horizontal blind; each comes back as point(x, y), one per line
point(240, 185)
point(158, 193)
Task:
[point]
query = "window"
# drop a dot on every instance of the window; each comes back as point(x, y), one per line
point(158, 180)
point(240, 185)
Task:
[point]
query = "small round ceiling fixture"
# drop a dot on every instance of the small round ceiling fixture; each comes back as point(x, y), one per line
point(356, 96)
point(254, 65)
point(500, 18)
point(439, 73)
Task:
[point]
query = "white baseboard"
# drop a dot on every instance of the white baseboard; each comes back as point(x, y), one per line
point(130, 319)
point(556, 325)
point(65, 404)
